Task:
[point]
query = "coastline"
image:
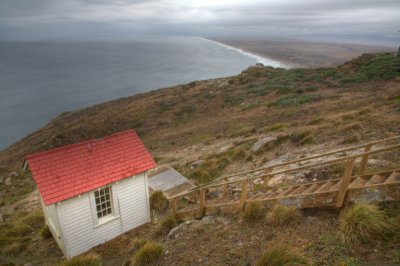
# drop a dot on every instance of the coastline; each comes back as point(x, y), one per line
point(266, 61)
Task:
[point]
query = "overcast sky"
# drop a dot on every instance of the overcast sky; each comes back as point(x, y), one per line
point(36, 19)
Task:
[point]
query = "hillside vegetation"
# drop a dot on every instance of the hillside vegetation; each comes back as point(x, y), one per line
point(216, 121)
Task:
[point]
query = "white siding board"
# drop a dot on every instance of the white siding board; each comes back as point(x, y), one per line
point(133, 202)
point(78, 221)
point(52, 221)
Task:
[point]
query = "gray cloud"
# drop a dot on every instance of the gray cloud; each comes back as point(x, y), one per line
point(80, 18)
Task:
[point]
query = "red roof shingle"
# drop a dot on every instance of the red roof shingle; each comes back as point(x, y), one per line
point(70, 170)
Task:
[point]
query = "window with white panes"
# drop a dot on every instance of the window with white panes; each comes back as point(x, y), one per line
point(103, 202)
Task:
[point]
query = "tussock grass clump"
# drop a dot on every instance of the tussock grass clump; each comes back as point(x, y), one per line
point(280, 214)
point(83, 260)
point(45, 232)
point(363, 221)
point(280, 255)
point(166, 225)
point(158, 201)
point(149, 253)
point(138, 244)
point(253, 211)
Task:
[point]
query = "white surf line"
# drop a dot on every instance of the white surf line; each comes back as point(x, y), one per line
point(263, 60)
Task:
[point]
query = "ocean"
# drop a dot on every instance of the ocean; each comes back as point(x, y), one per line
point(41, 79)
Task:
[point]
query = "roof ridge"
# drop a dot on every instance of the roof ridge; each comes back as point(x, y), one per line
point(65, 147)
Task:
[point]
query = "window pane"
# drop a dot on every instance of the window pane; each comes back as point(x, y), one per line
point(103, 202)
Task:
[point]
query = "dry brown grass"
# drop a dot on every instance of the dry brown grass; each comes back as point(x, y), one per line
point(149, 253)
point(166, 224)
point(253, 211)
point(281, 214)
point(84, 260)
point(281, 255)
point(158, 201)
point(363, 222)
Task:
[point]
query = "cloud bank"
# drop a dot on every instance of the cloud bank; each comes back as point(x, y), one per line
point(41, 19)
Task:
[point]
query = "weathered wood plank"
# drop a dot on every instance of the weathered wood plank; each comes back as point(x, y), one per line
point(243, 194)
point(364, 160)
point(345, 182)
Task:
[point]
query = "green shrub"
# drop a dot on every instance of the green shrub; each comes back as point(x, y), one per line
point(234, 100)
point(166, 225)
point(158, 201)
point(311, 89)
point(363, 221)
point(45, 232)
point(84, 260)
point(281, 214)
point(253, 211)
point(294, 99)
point(149, 253)
point(279, 255)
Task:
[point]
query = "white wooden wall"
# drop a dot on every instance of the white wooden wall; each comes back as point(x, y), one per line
point(78, 224)
point(51, 219)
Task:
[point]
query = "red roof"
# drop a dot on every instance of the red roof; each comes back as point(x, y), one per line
point(68, 171)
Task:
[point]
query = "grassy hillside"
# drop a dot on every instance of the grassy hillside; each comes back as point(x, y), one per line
point(359, 100)
point(308, 110)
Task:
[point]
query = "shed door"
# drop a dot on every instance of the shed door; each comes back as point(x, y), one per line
point(132, 199)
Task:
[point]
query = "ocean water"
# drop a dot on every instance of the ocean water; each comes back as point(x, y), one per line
point(40, 80)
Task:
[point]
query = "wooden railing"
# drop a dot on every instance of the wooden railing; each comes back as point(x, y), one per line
point(198, 195)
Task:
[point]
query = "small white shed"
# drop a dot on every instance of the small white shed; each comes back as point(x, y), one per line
point(93, 191)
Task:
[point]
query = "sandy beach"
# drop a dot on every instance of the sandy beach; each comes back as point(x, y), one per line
point(303, 54)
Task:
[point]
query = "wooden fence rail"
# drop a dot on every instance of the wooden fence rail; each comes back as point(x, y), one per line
point(267, 173)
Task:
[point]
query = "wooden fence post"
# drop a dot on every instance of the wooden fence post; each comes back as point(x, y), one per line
point(267, 178)
point(225, 188)
point(202, 202)
point(364, 160)
point(174, 206)
point(243, 194)
point(345, 182)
